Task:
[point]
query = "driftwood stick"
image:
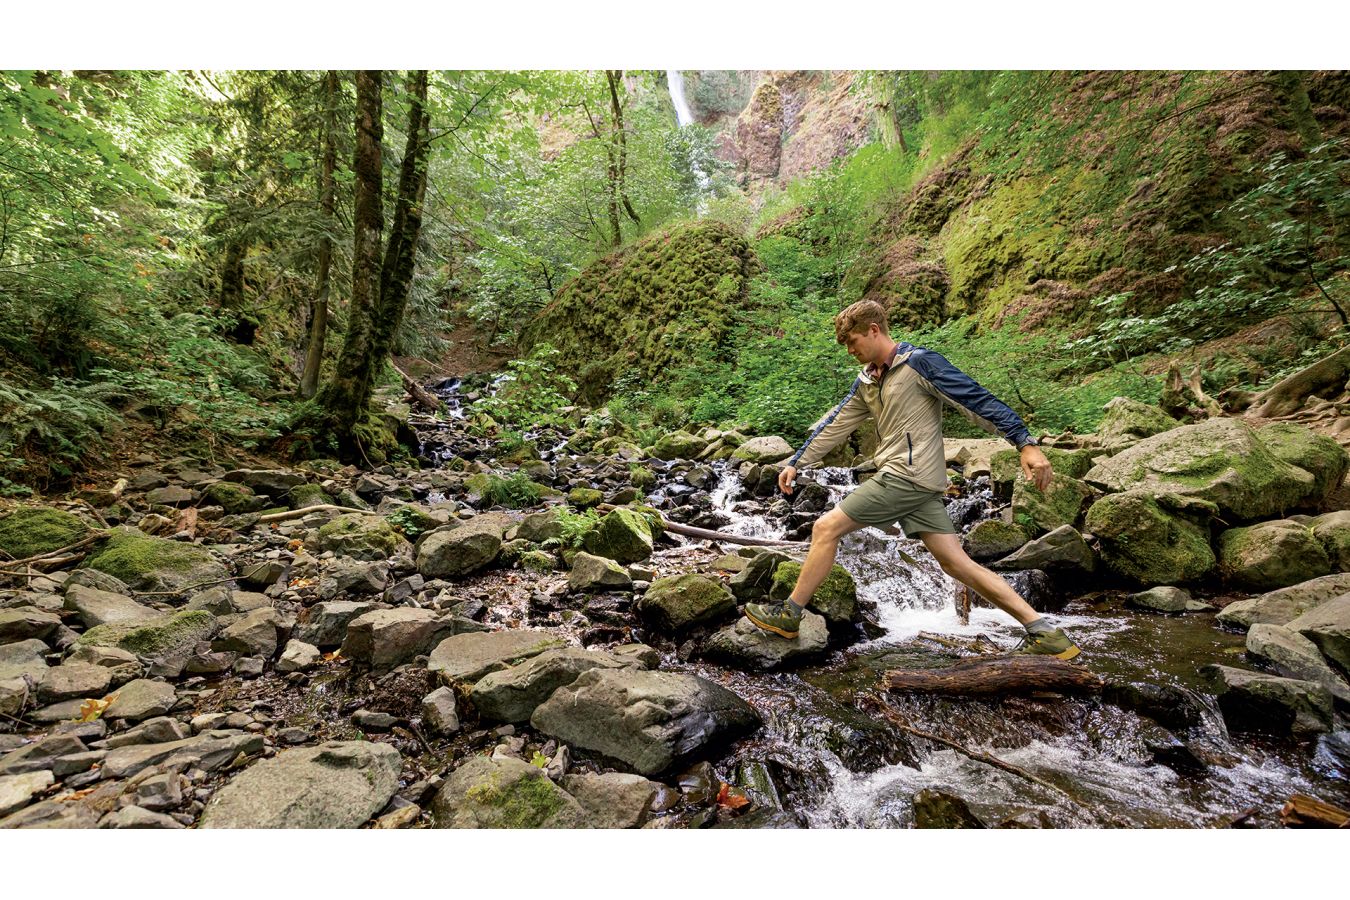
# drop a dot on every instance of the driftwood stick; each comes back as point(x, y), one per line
point(980, 645)
point(983, 677)
point(85, 542)
point(707, 534)
point(1302, 811)
point(301, 513)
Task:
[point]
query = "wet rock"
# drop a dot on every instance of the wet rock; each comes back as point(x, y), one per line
point(1332, 531)
point(1062, 550)
point(1060, 504)
point(339, 784)
point(754, 581)
point(992, 539)
point(438, 712)
point(623, 535)
point(511, 695)
point(39, 755)
point(465, 658)
point(614, 799)
point(1252, 701)
point(208, 751)
point(253, 635)
point(768, 449)
point(836, 599)
point(1271, 555)
point(17, 791)
point(458, 550)
point(23, 658)
point(938, 809)
point(679, 603)
point(168, 642)
point(745, 646)
point(1168, 705)
point(138, 817)
point(1295, 656)
point(1167, 600)
point(325, 624)
point(1150, 544)
point(1032, 818)
point(141, 699)
point(1319, 455)
point(503, 793)
point(94, 607)
point(1328, 626)
point(596, 573)
point(27, 622)
point(298, 657)
point(387, 638)
point(358, 536)
point(71, 680)
point(146, 563)
point(1282, 606)
point(650, 721)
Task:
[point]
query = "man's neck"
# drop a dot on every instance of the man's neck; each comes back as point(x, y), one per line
point(885, 357)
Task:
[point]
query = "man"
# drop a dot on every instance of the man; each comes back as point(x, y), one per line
point(903, 388)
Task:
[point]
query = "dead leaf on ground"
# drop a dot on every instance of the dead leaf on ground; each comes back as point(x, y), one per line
point(730, 798)
point(92, 709)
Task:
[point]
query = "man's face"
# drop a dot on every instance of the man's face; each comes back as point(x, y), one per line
point(863, 345)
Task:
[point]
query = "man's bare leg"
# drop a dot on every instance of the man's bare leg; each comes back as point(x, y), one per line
point(825, 537)
point(947, 549)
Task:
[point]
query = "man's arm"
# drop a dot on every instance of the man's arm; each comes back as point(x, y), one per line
point(828, 433)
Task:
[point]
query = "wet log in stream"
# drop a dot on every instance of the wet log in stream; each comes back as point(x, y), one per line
point(1002, 675)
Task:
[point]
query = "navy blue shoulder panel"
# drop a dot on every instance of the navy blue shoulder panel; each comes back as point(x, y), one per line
point(964, 391)
point(828, 419)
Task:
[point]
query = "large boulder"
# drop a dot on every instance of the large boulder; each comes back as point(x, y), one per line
point(385, 638)
point(1220, 461)
point(836, 599)
point(22, 623)
point(255, 634)
point(465, 658)
point(146, 563)
point(1062, 550)
point(71, 680)
point(595, 573)
point(339, 784)
point(359, 536)
point(459, 549)
point(1166, 600)
point(1286, 604)
point(679, 445)
point(1061, 503)
point(167, 642)
point(769, 449)
point(511, 695)
point(756, 579)
point(1270, 555)
point(1316, 454)
point(993, 538)
point(325, 624)
point(1332, 531)
point(746, 646)
point(503, 793)
point(624, 535)
point(1253, 701)
point(1328, 626)
point(1142, 540)
point(95, 607)
point(33, 530)
point(541, 526)
point(651, 721)
point(614, 799)
point(677, 603)
point(1128, 421)
point(1294, 656)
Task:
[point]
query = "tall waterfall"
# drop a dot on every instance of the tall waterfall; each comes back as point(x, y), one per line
point(675, 80)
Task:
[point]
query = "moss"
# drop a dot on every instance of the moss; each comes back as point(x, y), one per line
point(1271, 555)
point(1314, 453)
point(528, 802)
point(235, 498)
point(1006, 465)
point(1061, 503)
point(411, 521)
point(537, 561)
point(585, 498)
point(680, 602)
point(360, 536)
point(623, 535)
point(836, 599)
point(1142, 541)
point(31, 530)
point(155, 637)
point(306, 495)
point(993, 539)
point(139, 559)
point(641, 477)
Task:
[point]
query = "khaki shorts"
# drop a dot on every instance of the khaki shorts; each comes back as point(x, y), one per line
point(886, 498)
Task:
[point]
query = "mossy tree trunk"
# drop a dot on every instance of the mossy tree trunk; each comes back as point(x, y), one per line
point(318, 323)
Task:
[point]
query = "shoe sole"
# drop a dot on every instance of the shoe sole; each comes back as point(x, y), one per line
point(767, 627)
point(1063, 654)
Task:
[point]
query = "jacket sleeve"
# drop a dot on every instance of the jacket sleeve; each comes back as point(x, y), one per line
point(959, 390)
point(832, 430)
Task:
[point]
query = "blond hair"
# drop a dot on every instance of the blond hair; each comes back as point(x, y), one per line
point(856, 318)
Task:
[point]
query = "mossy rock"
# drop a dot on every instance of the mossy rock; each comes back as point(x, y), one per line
point(146, 563)
point(539, 527)
point(1332, 531)
point(679, 445)
point(754, 581)
point(994, 539)
point(1128, 421)
point(537, 561)
point(411, 521)
point(1271, 555)
point(1315, 453)
point(234, 498)
point(641, 477)
point(653, 517)
point(836, 599)
point(156, 637)
point(359, 536)
point(678, 603)
point(623, 536)
point(585, 498)
point(1147, 543)
point(503, 793)
point(1041, 512)
point(303, 496)
point(1005, 466)
point(33, 530)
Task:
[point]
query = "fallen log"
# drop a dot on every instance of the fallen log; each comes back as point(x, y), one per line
point(420, 394)
point(708, 534)
point(1288, 394)
point(1302, 811)
point(984, 677)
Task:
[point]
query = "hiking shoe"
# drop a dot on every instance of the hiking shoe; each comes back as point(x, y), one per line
point(783, 618)
point(1050, 643)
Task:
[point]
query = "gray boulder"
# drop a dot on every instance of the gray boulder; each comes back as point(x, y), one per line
point(465, 658)
point(95, 607)
point(754, 581)
point(679, 603)
point(745, 646)
point(298, 657)
point(1295, 656)
point(503, 793)
point(614, 799)
point(40, 754)
point(1062, 550)
point(325, 624)
point(1252, 701)
point(1270, 555)
point(168, 642)
point(208, 751)
point(26, 622)
point(595, 573)
point(71, 680)
point(458, 550)
point(439, 713)
point(511, 695)
point(1166, 599)
point(17, 791)
point(253, 635)
point(679, 445)
point(648, 720)
point(768, 449)
point(1328, 626)
point(277, 483)
point(339, 784)
point(23, 658)
point(141, 699)
point(1282, 606)
point(350, 576)
point(386, 638)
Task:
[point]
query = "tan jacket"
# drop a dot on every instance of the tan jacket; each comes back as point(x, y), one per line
point(907, 406)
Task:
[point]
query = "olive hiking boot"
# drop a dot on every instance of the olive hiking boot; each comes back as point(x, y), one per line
point(784, 618)
point(1048, 643)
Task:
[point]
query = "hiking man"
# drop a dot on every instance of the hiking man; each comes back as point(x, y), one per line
point(903, 387)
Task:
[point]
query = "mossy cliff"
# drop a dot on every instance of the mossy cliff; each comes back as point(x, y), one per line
point(633, 313)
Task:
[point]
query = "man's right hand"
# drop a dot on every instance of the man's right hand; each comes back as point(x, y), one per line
point(785, 479)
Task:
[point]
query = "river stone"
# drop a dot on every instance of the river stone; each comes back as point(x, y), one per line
point(1166, 599)
point(1128, 421)
point(95, 607)
point(939, 809)
point(359, 536)
point(1147, 543)
point(351, 576)
point(439, 713)
point(33, 530)
point(209, 751)
point(768, 449)
point(325, 624)
point(1294, 656)
point(386, 638)
point(993, 538)
point(511, 695)
point(298, 657)
point(1252, 701)
point(52, 814)
point(677, 603)
point(1219, 460)
point(679, 445)
point(623, 535)
point(233, 498)
point(14, 694)
point(159, 730)
point(16, 791)
point(146, 563)
point(40, 754)
point(172, 495)
point(595, 573)
point(23, 623)
point(583, 498)
point(465, 658)
point(138, 817)
point(541, 526)
point(754, 581)
point(167, 642)
point(253, 635)
point(1328, 626)
point(1332, 531)
point(110, 657)
point(1319, 455)
point(1286, 604)
point(99, 581)
point(339, 784)
point(458, 549)
point(503, 793)
point(650, 721)
point(141, 699)
point(614, 799)
point(1062, 550)
point(23, 658)
point(1271, 555)
point(276, 483)
point(745, 646)
point(71, 680)
point(1061, 503)
point(836, 599)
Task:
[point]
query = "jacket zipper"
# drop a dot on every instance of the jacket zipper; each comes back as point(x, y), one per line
point(911, 448)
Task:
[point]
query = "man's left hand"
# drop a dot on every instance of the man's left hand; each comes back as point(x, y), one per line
point(1036, 466)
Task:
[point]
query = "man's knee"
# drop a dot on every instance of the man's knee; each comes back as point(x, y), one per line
point(831, 526)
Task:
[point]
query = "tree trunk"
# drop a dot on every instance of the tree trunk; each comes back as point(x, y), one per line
point(1288, 395)
point(232, 277)
point(615, 78)
point(980, 677)
point(318, 325)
